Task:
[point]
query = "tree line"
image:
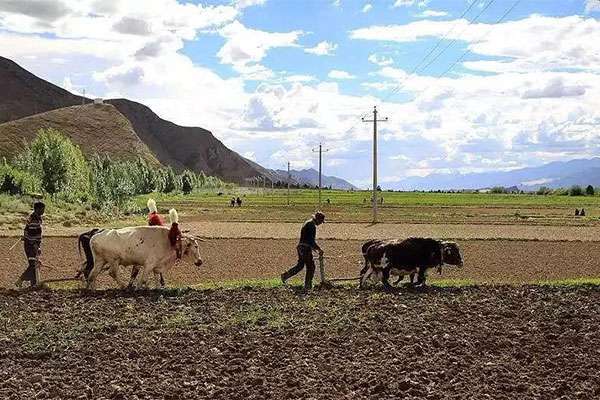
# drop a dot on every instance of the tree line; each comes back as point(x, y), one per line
point(53, 165)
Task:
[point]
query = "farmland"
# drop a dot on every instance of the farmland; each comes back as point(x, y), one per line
point(519, 320)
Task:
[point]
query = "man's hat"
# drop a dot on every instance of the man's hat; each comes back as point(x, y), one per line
point(319, 216)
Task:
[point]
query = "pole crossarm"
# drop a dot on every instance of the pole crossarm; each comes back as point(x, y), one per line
point(374, 121)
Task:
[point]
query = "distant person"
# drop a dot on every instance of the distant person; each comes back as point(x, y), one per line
point(154, 219)
point(381, 200)
point(364, 200)
point(577, 212)
point(328, 201)
point(32, 241)
point(232, 202)
point(582, 213)
point(239, 202)
point(306, 245)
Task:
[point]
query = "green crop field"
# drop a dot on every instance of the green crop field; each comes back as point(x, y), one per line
point(354, 206)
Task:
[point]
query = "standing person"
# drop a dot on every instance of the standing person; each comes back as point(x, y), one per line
point(239, 202)
point(32, 239)
point(308, 243)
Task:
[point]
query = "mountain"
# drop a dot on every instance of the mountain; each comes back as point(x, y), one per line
point(554, 175)
point(311, 177)
point(95, 128)
point(24, 95)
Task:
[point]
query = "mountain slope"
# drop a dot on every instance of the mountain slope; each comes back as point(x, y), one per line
point(184, 147)
point(24, 94)
point(554, 175)
point(97, 129)
point(311, 177)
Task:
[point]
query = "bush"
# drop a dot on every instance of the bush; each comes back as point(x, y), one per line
point(589, 190)
point(575, 190)
point(498, 190)
point(14, 181)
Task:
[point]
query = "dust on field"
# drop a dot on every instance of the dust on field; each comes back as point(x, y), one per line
point(492, 342)
point(486, 261)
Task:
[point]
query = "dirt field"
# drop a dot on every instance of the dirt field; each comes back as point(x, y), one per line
point(486, 261)
point(477, 343)
point(283, 230)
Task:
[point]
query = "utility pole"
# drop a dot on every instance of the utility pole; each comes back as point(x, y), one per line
point(83, 98)
point(288, 184)
point(320, 168)
point(374, 121)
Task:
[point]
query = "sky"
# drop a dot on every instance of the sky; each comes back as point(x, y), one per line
point(466, 85)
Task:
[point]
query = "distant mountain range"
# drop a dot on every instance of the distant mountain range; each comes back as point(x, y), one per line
point(310, 177)
point(559, 174)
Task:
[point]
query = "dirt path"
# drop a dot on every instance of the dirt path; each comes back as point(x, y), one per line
point(493, 261)
point(480, 343)
point(282, 230)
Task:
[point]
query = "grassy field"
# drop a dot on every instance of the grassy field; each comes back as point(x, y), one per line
point(344, 206)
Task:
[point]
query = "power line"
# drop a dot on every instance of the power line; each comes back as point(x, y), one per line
point(459, 59)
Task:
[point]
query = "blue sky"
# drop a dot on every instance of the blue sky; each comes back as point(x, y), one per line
point(273, 78)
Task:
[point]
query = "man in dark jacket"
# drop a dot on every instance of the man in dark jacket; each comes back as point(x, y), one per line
point(32, 239)
point(308, 243)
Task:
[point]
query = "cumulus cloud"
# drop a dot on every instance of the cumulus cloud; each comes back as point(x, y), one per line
point(432, 13)
point(554, 88)
point(337, 74)
point(43, 10)
point(592, 5)
point(367, 7)
point(132, 26)
point(404, 3)
point(323, 49)
point(534, 43)
point(382, 61)
point(249, 3)
point(245, 47)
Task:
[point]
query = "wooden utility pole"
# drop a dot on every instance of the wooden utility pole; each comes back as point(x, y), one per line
point(288, 184)
point(321, 151)
point(374, 121)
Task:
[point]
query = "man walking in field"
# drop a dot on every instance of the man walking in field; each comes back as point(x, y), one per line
point(308, 243)
point(32, 240)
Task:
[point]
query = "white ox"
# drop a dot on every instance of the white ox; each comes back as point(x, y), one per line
point(145, 246)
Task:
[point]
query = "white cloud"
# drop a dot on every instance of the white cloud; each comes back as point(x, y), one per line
point(249, 3)
point(323, 49)
point(382, 61)
point(245, 47)
point(592, 6)
point(404, 3)
point(535, 43)
point(367, 7)
point(554, 88)
point(337, 74)
point(432, 13)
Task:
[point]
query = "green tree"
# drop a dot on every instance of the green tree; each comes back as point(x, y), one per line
point(589, 190)
point(576, 190)
point(57, 163)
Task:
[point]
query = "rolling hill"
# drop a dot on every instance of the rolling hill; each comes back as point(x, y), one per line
point(311, 177)
point(96, 128)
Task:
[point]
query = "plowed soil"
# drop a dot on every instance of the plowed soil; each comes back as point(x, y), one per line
point(478, 343)
point(486, 261)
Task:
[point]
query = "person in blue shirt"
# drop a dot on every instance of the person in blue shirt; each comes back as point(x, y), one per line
point(305, 248)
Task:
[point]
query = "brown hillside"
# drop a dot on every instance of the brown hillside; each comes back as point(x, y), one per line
point(23, 94)
point(185, 147)
point(97, 129)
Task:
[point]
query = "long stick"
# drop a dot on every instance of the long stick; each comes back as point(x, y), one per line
point(15, 245)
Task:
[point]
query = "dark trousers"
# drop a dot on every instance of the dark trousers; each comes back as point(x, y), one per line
point(305, 258)
point(32, 249)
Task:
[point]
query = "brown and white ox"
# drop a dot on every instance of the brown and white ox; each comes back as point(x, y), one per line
point(145, 246)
